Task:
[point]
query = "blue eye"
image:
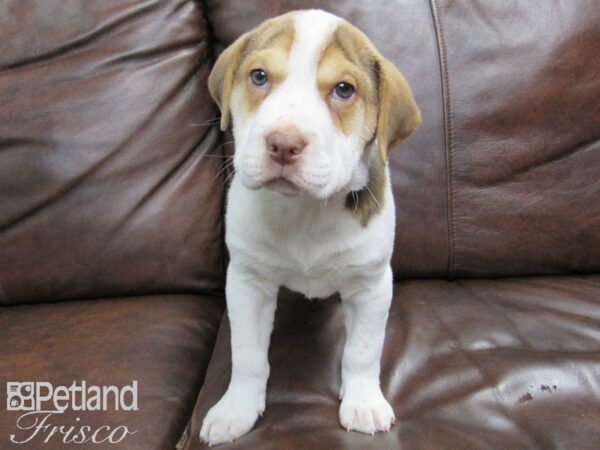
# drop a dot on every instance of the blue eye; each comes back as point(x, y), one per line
point(343, 90)
point(259, 77)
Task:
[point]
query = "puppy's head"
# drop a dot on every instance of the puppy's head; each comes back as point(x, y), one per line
point(312, 103)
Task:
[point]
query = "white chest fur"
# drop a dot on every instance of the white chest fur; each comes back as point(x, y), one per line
point(314, 247)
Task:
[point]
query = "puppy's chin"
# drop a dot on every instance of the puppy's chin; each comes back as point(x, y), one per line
point(283, 186)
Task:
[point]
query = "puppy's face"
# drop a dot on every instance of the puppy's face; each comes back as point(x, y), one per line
point(308, 94)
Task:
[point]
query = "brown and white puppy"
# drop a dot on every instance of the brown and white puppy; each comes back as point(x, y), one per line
point(315, 109)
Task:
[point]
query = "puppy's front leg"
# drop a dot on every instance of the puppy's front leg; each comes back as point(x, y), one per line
point(251, 308)
point(363, 406)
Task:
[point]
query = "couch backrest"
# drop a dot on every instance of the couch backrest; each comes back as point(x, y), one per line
point(503, 177)
point(521, 87)
point(108, 180)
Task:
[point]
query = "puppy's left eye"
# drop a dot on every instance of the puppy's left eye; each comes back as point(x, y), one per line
point(343, 90)
point(259, 77)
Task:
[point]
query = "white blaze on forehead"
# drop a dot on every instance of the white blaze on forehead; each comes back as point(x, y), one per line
point(314, 29)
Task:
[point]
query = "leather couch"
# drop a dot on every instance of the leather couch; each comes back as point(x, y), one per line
point(112, 192)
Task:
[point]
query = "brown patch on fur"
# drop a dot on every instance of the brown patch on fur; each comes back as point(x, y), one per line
point(369, 201)
point(335, 66)
point(391, 115)
point(270, 43)
point(273, 60)
point(397, 113)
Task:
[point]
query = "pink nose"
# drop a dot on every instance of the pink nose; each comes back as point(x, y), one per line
point(285, 148)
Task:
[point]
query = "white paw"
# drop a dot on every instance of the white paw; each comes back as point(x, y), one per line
point(232, 417)
point(366, 410)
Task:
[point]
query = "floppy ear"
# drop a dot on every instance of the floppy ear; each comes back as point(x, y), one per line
point(398, 115)
point(220, 80)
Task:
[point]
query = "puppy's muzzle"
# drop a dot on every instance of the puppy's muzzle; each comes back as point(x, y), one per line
point(285, 148)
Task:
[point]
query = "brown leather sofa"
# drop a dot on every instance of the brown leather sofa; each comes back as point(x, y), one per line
point(112, 190)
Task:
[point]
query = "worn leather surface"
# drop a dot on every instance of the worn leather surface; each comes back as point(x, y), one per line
point(163, 342)
point(478, 364)
point(108, 180)
point(522, 135)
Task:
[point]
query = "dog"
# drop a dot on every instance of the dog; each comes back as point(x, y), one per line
point(315, 109)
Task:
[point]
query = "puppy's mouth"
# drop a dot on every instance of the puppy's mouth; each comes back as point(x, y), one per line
point(283, 186)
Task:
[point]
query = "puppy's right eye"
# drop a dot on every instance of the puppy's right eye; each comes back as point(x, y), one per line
point(259, 77)
point(343, 90)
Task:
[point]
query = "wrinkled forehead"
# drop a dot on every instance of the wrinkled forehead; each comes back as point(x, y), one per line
point(307, 40)
point(314, 32)
point(274, 33)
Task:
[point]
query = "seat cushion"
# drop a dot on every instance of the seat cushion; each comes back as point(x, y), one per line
point(477, 364)
point(162, 342)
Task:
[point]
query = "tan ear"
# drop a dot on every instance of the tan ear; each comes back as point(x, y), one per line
point(220, 80)
point(399, 114)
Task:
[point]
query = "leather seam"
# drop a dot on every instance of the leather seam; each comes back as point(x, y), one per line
point(211, 41)
point(448, 135)
point(3, 296)
point(184, 437)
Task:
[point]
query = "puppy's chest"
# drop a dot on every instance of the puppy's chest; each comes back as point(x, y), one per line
point(317, 251)
point(316, 262)
point(315, 269)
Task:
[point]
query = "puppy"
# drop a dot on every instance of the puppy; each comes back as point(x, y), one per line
point(315, 109)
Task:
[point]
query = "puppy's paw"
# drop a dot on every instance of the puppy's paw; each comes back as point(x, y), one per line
point(231, 418)
point(366, 410)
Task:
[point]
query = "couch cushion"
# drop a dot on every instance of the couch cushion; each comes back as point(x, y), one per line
point(468, 364)
point(162, 342)
point(108, 181)
point(522, 91)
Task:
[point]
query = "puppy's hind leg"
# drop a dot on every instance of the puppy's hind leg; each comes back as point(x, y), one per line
point(251, 308)
point(363, 406)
